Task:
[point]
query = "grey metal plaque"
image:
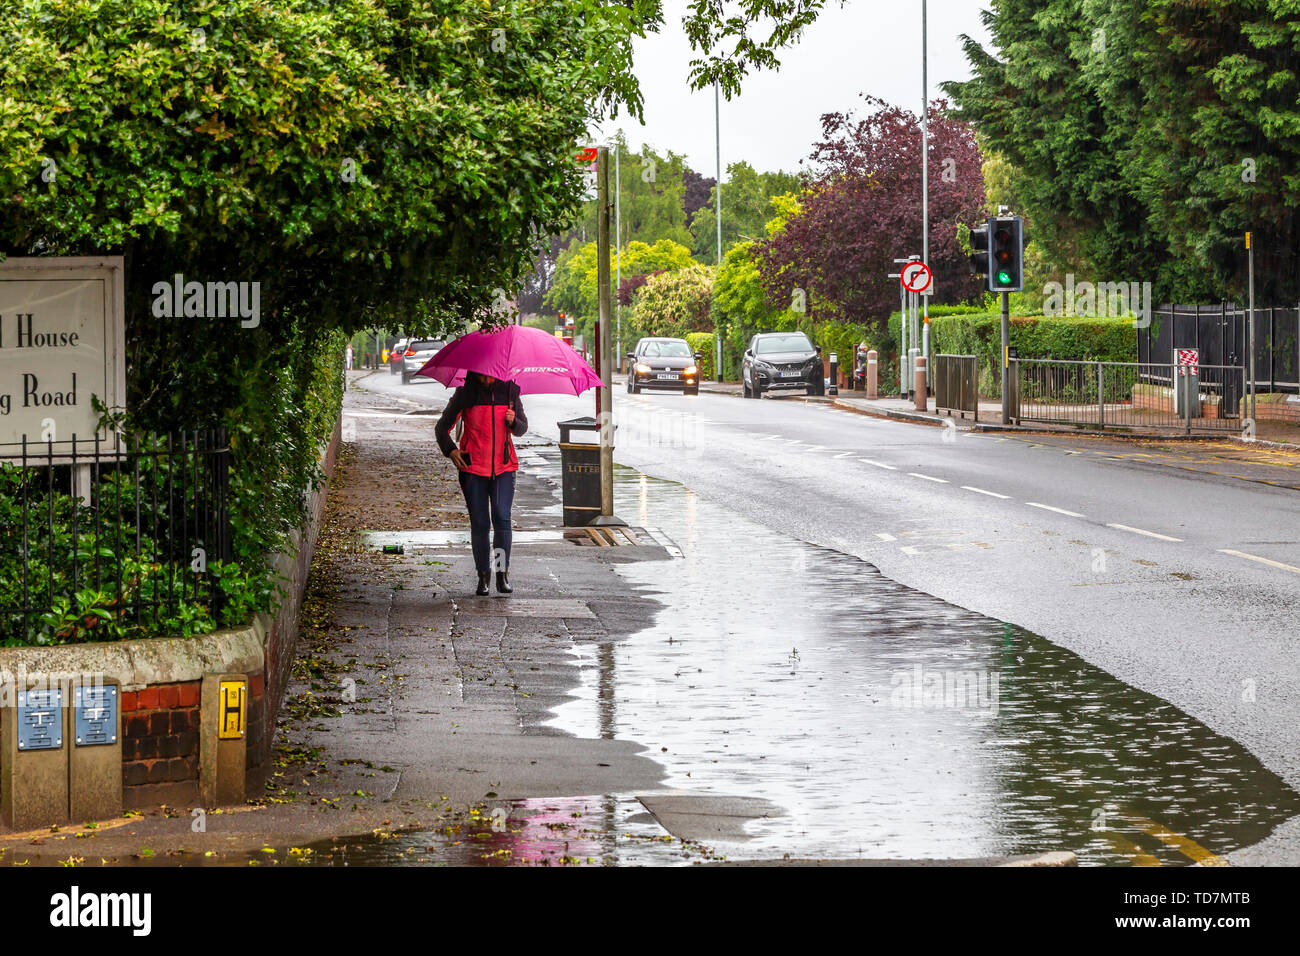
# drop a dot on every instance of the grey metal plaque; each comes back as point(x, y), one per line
point(40, 719)
point(95, 713)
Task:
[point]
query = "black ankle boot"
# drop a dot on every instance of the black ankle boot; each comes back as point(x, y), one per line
point(503, 582)
point(483, 578)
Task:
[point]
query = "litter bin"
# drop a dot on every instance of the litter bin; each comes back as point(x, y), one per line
point(580, 468)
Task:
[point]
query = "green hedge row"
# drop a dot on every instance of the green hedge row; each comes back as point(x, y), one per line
point(703, 343)
point(1032, 336)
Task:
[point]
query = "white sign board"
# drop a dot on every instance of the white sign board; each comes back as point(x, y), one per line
point(61, 342)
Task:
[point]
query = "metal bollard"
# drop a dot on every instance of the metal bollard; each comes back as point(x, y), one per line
point(919, 383)
point(834, 387)
point(873, 370)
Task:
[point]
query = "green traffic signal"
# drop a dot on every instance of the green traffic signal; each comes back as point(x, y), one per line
point(1004, 278)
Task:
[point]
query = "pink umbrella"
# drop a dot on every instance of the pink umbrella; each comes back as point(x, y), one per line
point(534, 360)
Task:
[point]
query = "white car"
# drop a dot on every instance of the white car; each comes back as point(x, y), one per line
point(415, 354)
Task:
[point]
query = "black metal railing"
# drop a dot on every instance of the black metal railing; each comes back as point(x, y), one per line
point(1127, 394)
point(102, 542)
point(956, 383)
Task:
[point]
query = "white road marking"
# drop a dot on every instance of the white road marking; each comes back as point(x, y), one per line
point(917, 474)
point(910, 550)
point(844, 454)
point(981, 491)
point(1149, 534)
point(1253, 557)
point(885, 537)
point(878, 464)
point(1059, 511)
point(771, 438)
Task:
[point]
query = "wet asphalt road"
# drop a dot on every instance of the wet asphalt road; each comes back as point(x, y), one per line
point(1077, 548)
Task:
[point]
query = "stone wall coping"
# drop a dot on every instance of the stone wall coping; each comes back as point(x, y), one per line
point(140, 663)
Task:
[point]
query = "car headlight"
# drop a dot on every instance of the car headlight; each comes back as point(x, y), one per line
point(690, 370)
point(642, 367)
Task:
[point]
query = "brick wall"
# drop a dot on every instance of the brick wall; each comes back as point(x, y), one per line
point(282, 631)
point(160, 745)
point(1277, 411)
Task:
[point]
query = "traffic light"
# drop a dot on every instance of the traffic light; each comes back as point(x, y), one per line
point(979, 258)
point(998, 252)
point(1006, 254)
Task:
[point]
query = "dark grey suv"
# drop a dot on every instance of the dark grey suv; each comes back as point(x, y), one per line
point(781, 360)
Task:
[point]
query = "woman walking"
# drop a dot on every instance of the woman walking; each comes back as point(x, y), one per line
point(491, 412)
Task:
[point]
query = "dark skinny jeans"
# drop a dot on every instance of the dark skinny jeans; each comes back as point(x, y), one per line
point(489, 501)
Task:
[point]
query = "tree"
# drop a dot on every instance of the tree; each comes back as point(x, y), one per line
point(531, 297)
point(575, 288)
point(364, 162)
point(742, 304)
point(861, 209)
point(746, 206)
point(652, 198)
point(730, 37)
point(674, 303)
point(1148, 136)
point(698, 189)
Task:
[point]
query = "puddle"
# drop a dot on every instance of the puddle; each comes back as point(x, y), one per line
point(601, 830)
point(888, 723)
point(883, 721)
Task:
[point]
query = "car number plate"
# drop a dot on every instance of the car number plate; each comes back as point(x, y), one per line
point(791, 374)
point(666, 375)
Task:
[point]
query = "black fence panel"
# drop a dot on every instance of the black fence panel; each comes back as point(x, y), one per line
point(105, 544)
point(1221, 334)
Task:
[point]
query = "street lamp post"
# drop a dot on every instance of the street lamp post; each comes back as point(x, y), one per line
point(925, 176)
point(717, 147)
point(618, 259)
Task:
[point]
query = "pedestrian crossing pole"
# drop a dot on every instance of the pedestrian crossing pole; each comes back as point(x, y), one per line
point(1250, 322)
point(1006, 361)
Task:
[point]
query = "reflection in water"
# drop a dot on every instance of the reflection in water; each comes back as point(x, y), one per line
point(889, 723)
point(545, 831)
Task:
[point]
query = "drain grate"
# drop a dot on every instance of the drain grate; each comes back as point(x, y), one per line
point(606, 537)
point(614, 537)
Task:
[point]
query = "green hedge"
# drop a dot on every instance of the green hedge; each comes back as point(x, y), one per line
point(703, 343)
point(1033, 336)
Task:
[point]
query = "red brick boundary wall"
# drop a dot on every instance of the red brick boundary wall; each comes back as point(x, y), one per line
point(160, 743)
point(1270, 406)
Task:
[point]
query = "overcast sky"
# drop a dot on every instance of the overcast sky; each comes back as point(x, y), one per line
point(866, 46)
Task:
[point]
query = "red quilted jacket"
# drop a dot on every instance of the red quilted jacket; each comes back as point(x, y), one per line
point(487, 437)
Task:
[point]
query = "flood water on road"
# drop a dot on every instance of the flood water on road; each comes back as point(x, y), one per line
point(887, 723)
